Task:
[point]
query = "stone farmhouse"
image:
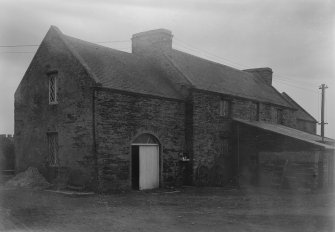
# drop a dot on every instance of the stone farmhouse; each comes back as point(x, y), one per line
point(88, 115)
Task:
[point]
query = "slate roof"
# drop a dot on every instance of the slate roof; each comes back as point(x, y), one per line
point(215, 77)
point(121, 70)
point(301, 113)
point(126, 71)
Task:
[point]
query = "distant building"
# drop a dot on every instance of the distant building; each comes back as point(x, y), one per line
point(93, 116)
point(304, 121)
point(7, 156)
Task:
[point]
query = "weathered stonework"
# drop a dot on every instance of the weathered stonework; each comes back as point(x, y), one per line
point(306, 126)
point(102, 109)
point(213, 160)
point(71, 118)
point(120, 118)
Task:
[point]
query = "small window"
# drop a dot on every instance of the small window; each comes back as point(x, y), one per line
point(280, 119)
point(225, 147)
point(257, 112)
point(53, 148)
point(53, 88)
point(224, 108)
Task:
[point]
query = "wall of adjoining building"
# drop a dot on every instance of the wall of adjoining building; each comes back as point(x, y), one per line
point(71, 118)
point(306, 126)
point(120, 118)
point(7, 156)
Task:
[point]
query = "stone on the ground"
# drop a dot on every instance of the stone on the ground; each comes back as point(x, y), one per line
point(31, 178)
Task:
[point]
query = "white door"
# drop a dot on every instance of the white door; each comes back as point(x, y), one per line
point(149, 167)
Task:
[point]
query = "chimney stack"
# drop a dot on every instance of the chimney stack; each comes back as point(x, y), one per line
point(264, 74)
point(154, 40)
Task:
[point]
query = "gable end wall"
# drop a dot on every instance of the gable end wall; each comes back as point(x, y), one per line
point(71, 118)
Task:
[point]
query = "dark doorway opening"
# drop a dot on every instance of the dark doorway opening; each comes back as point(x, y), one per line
point(135, 174)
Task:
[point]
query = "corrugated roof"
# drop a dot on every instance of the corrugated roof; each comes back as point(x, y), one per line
point(215, 77)
point(121, 70)
point(290, 132)
point(301, 113)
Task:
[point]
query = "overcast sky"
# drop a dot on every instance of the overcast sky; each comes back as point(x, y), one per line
point(293, 37)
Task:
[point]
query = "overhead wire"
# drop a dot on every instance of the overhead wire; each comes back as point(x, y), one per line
point(280, 78)
point(36, 45)
point(187, 46)
point(293, 82)
point(14, 52)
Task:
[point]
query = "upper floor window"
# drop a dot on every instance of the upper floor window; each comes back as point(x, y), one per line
point(224, 108)
point(280, 118)
point(258, 112)
point(53, 88)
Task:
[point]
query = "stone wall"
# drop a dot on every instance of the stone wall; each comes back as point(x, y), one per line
point(71, 118)
point(245, 109)
point(120, 118)
point(268, 113)
point(213, 159)
point(306, 126)
point(213, 164)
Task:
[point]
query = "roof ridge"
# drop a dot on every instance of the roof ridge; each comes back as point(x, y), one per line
point(271, 86)
point(102, 46)
point(177, 69)
point(210, 61)
point(283, 93)
point(75, 54)
point(281, 96)
point(247, 75)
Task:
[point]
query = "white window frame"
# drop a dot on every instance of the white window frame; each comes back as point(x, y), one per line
point(224, 108)
point(53, 89)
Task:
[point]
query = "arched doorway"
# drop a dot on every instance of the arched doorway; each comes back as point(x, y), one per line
point(145, 162)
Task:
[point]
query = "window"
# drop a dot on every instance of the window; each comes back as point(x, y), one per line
point(280, 119)
point(53, 88)
point(225, 147)
point(53, 148)
point(224, 108)
point(257, 112)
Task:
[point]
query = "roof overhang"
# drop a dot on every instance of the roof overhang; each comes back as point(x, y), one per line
point(290, 132)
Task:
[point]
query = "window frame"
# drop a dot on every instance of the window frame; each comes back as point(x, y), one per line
point(53, 88)
point(224, 108)
point(53, 147)
point(280, 116)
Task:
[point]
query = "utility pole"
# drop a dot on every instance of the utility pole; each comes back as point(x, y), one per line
point(323, 88)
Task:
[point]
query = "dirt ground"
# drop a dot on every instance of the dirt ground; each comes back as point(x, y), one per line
point(189, 209)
